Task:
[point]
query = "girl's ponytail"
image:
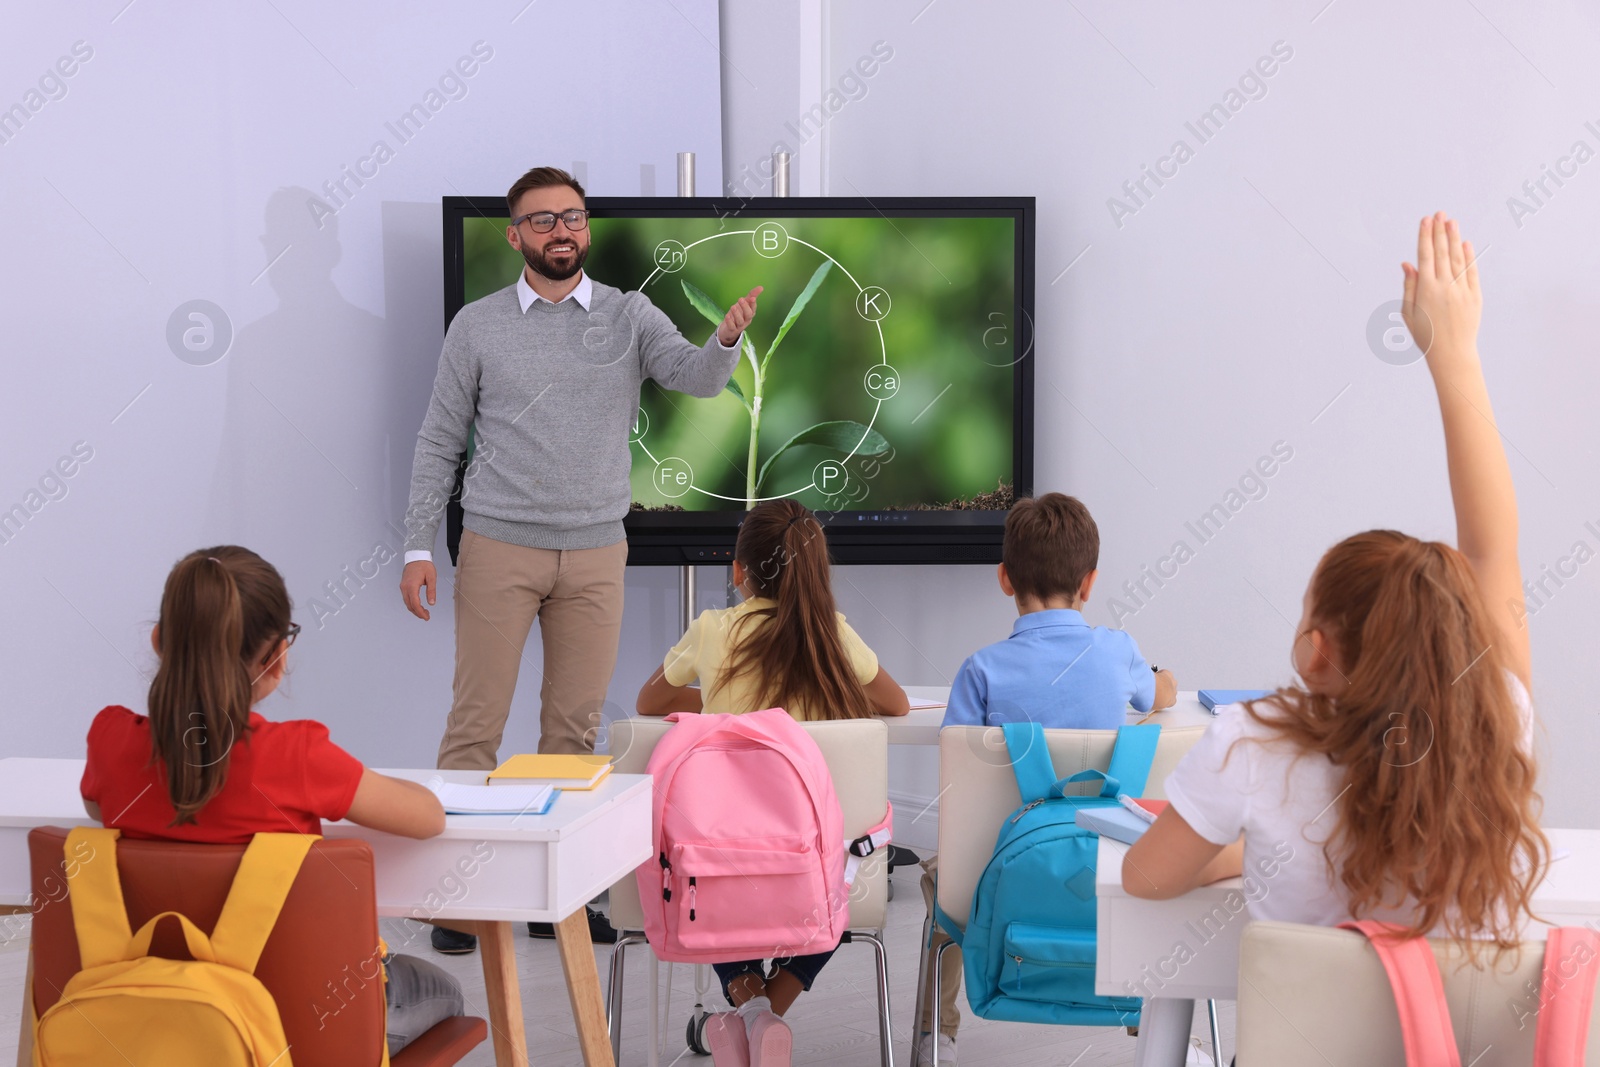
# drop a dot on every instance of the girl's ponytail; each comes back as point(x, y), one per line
point(799, 657)
point(221, 612)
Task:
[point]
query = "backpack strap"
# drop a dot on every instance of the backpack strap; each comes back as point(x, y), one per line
point(1030, 761)
point(200, 946)
point(99, 917)
point(266, 873)
point(859, 849)
point(1425, 1028)
point(1132, 756)
point(1566, 993)
point(948, 925)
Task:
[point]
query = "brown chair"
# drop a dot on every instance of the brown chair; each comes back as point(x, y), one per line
point(319, 964)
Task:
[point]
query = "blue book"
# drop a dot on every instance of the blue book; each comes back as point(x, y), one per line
point(1117, 823)
point(1216, 698)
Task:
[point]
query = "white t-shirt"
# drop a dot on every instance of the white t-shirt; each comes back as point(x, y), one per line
point(1284, 804)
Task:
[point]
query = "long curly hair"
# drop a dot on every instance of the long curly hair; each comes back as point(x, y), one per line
point(1437, 802)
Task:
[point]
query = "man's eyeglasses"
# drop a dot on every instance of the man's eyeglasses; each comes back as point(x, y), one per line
point(545, 221)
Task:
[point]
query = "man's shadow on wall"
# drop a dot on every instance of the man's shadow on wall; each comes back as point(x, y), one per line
point(324, 400)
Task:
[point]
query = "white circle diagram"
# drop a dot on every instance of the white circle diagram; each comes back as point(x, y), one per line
point(673, 477)
point(830, 476)
point(872, 303)
point(882, 381)
point(670, 256)
point(770, 240)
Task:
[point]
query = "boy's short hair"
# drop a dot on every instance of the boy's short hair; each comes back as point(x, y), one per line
point(1051, 545)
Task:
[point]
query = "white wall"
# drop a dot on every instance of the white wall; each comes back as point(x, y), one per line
point(1230, 311)
point(175, 164)
point(1221, 317)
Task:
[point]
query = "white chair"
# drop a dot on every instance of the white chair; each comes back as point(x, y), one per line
point(978, 792)
point(1314, 994)
point(857, 754)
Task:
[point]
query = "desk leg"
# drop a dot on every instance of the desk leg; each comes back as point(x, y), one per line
point(583, 987)
point(504, 993)
point(25, 1036)
point(1164, 1026)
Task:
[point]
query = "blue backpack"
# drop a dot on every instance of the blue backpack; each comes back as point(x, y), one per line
point(1029, 945)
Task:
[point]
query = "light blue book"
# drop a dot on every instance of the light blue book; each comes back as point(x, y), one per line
point(1117, 823)
point(1221, 698)
point(459, 799)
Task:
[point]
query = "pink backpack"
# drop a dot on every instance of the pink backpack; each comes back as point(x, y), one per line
point(750, 849)
point(1564, 998)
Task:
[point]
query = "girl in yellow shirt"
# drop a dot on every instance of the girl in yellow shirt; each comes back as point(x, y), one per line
point(785, 645)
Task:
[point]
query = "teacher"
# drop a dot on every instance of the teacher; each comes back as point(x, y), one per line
point(548, 371)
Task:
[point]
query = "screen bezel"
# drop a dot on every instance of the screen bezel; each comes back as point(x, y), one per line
point(855, 536)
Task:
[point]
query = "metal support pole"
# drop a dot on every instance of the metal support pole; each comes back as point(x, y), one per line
point(686, 596)
point(780, 174)
point(685, 173)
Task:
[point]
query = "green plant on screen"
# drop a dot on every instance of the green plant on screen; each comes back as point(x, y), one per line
point(845, 436)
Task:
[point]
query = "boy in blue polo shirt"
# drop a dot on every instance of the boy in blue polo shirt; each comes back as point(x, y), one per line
point(1055, 669)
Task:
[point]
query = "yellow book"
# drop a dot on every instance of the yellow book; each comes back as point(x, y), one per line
point(561, 771)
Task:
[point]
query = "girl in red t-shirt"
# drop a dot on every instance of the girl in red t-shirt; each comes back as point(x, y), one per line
point(204, 767)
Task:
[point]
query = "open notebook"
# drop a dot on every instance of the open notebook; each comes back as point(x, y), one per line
point(461, 799)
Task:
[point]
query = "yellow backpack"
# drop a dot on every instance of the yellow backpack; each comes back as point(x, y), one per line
point(128, 1007)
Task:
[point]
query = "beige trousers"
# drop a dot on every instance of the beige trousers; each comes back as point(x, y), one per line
point(949, 970)
point(500, 589)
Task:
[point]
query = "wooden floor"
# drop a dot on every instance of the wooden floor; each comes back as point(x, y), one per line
point(834, 1024)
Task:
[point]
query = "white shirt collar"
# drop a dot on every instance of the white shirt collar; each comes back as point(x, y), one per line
point(582, 293)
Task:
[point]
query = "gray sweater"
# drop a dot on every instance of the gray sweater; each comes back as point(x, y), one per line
point(554, 393)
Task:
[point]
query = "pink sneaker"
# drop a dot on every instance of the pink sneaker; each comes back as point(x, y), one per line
point(725, 1037)
point(771, 1041)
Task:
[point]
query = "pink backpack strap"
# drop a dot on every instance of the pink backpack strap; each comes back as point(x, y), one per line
point(860, 848)
point(1566, 995)
point(1425, 1028)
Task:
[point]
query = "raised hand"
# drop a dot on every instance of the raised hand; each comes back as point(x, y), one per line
point(738, 317)
point(1442, 305)
point(1442, 308)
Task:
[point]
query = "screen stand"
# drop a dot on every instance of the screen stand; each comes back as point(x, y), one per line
point(686, 598)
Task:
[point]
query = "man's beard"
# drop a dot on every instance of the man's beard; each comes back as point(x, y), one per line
point(536, 260)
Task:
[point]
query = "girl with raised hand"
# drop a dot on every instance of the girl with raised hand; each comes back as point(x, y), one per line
point(1396, 781)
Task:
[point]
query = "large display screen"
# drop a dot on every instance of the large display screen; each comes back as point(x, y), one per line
point(885, 382)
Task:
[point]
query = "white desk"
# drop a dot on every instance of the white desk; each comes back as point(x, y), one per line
point(525, 868)
point(1138, 948)
point(920, 726)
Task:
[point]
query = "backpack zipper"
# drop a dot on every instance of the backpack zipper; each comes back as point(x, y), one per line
point(1029, 806)
point(666, 878)
point(691, 898)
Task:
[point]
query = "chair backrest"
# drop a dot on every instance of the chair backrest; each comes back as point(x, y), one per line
point(321, 963)
point(978, 790)
point(857, 753)
point(1302, 987)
